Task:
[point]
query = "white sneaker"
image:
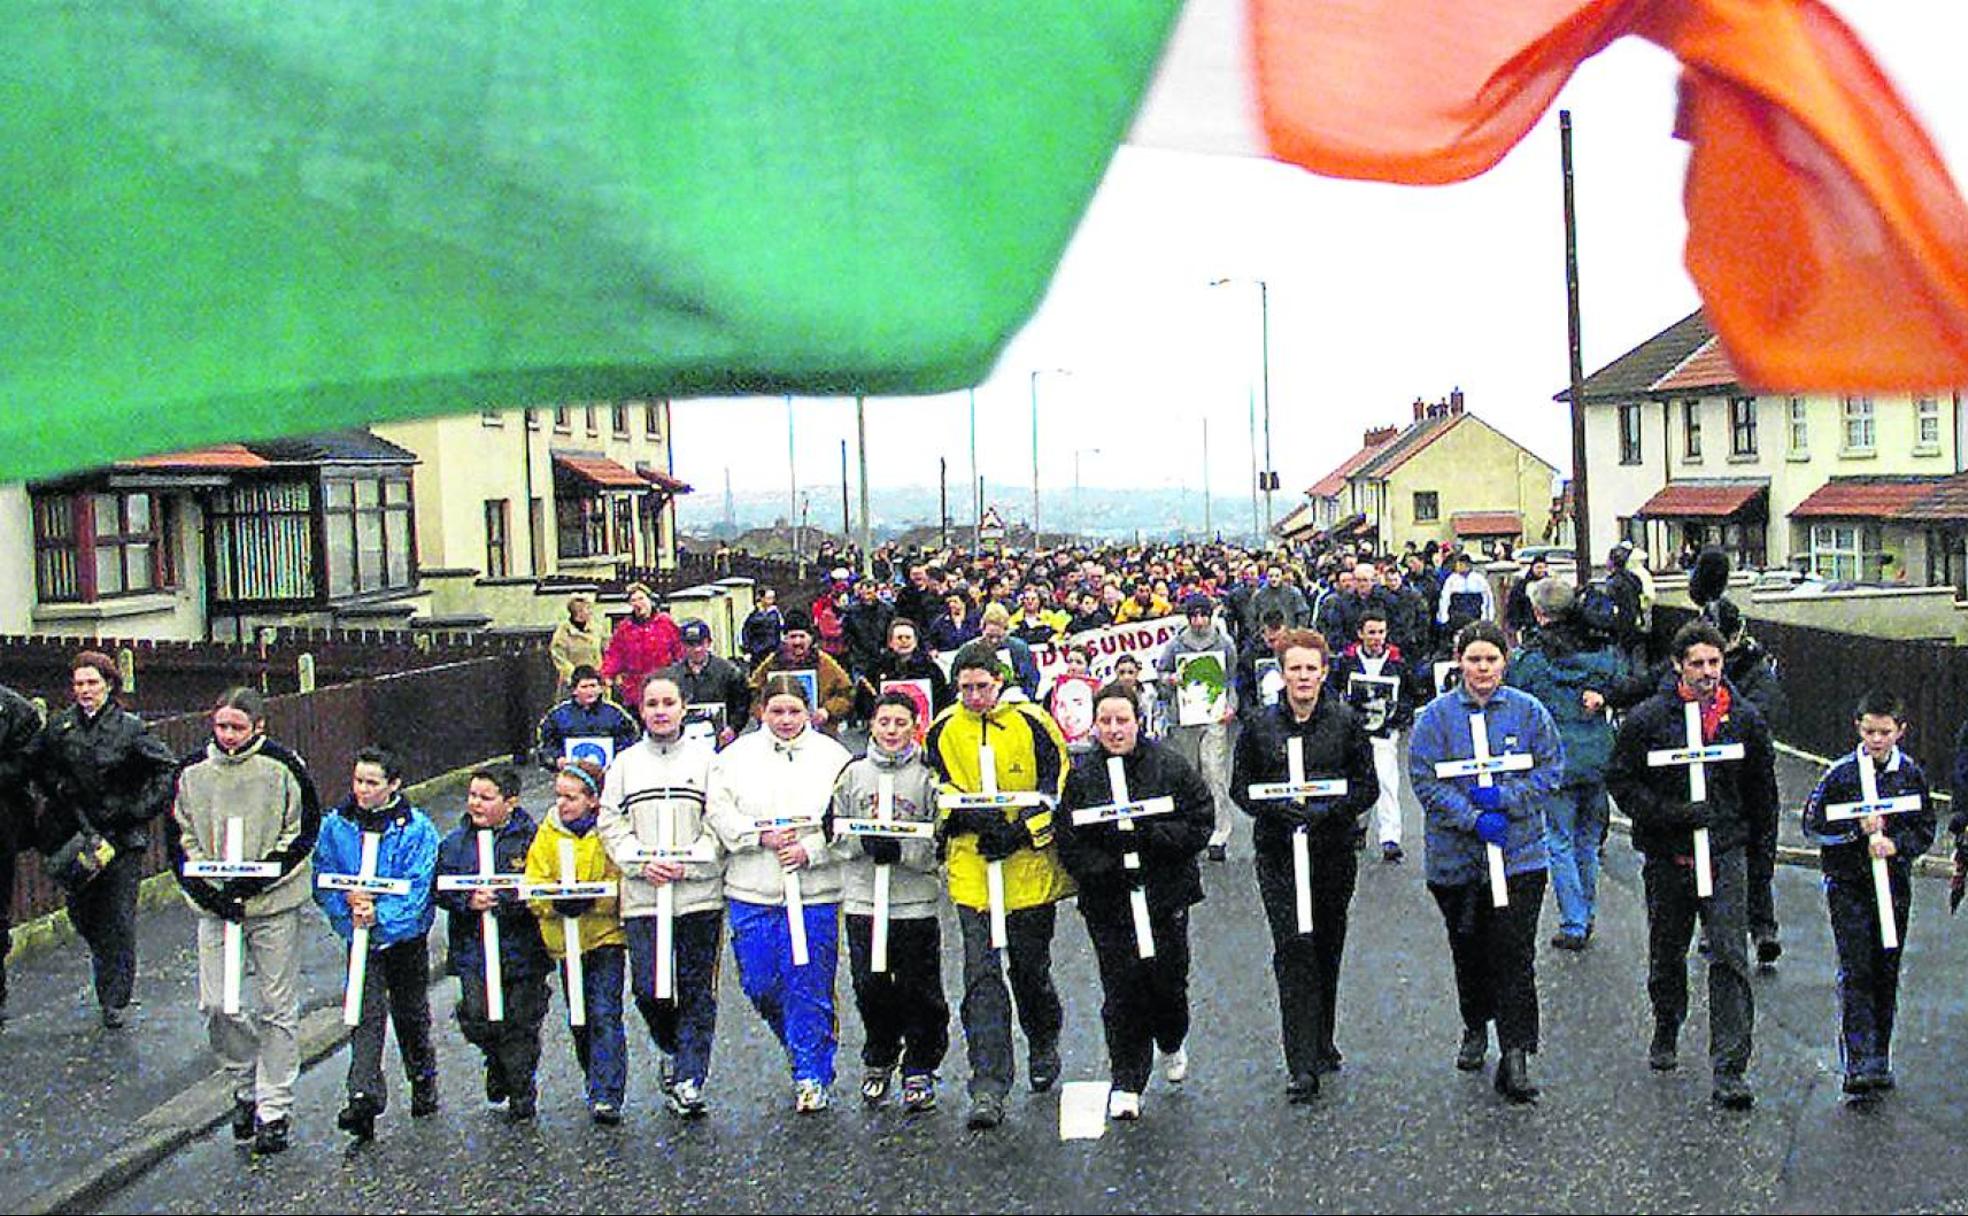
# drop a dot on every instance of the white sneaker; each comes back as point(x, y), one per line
point(810, 1097)
point(1175, 1066)
point(1123, 1105)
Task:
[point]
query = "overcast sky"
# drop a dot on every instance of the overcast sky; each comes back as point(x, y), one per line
point(1378, 294)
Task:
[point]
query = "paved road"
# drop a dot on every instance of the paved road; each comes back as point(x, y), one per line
point(1399, 1130)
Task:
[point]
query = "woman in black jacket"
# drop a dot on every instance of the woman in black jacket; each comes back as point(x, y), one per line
point(1147, 999)
point(1335, 748)
point(102, 771)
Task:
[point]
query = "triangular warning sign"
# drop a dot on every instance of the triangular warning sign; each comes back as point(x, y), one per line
point(991, 519)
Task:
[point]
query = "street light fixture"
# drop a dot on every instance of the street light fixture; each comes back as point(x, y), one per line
point(1266, 476)
point(1058, 371)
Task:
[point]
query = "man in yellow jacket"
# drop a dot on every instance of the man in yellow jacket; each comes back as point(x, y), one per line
point(1028, 754)
point(600, 1042)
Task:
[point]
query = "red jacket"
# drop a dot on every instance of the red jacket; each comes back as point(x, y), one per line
point(638, 650)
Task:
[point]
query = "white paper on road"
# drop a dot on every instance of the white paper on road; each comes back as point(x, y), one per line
point(1083, 1110)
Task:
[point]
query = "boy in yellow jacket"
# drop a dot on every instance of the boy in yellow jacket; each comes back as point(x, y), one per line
point(1028, 754)
point(600, 1043)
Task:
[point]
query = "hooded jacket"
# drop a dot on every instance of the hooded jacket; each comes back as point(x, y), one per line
point(408, 850)
point(268, 788)
point(761, 777)
point(651, 779)
point(915, 889)
point(1558, 672)
point(1029, 754)
point(521, 952)
point(600, 919)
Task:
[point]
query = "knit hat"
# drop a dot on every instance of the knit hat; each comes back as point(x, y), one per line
point(796, 620)
point(1195, 604)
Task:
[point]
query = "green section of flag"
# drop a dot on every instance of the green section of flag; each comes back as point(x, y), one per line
point(226, 220)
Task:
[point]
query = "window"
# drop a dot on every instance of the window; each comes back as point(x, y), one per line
point(1846, 552)
point(263, 542)
point(1428, 506)
point(91, 546)
point(498, 530)
point(652, 419)
point(1691, 430)
point(561, 421)
point(582, 526)
point(1799, 426)
point(1630, 433)
point(594, 418)
point(1742, 426)
point(1927, 424)
point(618, 419)
point(491, 418)
point(1857, 414)
point(367, 521)
point(532, 419)
point(625, 525)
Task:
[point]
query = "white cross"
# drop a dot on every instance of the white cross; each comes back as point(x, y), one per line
point(883, 826)
point(1484, 766)
point(795, 897)
point(235, 865)
point(666, 852)
point(365, 882)
point(1122, 812)
point(991, 799)
point(1697, 756)
point(487, 878)
point(571, 886)
point(1298, 789)
point(1870, 803)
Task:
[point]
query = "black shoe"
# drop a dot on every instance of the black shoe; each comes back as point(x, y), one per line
point(521, 1108)
point(986, 1111)
point(1044, 1067)
point(1857, 1084)
point(358, 1118)
point(1568, 941)
point(1328, 1062)
point(1302, 1088)
point(270, 1138)
point(423, 1096)
point(1513, 1079)
point(1475, 1046)
point(605, 1114)
point(495, 1083)
point(1662, 1055)
point(1732, 1092)
point(1391, 852)
point(1219, 852)
point(242, 1119)
point(1768, 951)
point(113, 1018)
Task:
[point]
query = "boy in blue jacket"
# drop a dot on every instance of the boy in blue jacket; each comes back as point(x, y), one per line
point(511, 1045)
point(1868, 973)
point(398, 967)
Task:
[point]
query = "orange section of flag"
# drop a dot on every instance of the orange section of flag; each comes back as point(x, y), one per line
point(1828, 241)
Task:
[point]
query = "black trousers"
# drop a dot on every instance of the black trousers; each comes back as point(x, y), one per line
point(396, 985)
point(1868, 973)
point(685, 1025)
point(1760, 856)
point(104, 913)
point(1671, 913)
point(1145, 1001)
point(987, 1005)
point(511, 1046)
point(1306, 965)
point(903, 1009)
point(1495, 955)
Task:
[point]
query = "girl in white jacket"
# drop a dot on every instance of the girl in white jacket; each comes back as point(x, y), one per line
point(768, 799)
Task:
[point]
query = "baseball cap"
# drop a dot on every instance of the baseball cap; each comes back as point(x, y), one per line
point(696, 631)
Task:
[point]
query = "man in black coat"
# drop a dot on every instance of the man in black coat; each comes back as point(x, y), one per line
point(1741, 802)
point(704, 678)
point(20, 727)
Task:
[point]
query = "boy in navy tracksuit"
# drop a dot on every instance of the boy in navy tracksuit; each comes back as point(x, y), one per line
point(1868, 973)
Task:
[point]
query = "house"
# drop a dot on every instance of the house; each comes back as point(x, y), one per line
point(1447, 476)
point(1681, 454)
point(212, 543)
point(579, 489)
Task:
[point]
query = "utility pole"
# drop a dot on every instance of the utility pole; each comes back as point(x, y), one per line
point(792, 483)
point(1208, 531)
point(943, 502)
point(847, 524)
point(1257, 534)
point(861, 443)
point(1581, 518)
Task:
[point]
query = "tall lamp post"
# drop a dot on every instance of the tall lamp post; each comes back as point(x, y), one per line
point(1265, 475)
point(1058, 371)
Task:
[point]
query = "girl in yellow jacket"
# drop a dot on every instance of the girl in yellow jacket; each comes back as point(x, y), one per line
point(568, 850)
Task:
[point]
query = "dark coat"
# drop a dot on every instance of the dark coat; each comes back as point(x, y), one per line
point(1166, 844)
point(720, 683)
point(1844, 850)
point(20, 730)
point(1412, 687)
point(1742, 794)
point(109, 771)
point(1335, 747)
point(521, 950)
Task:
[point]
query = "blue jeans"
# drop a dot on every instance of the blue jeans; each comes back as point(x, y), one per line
point(1574, 832)
point(602, 1046)
point(796, 1002)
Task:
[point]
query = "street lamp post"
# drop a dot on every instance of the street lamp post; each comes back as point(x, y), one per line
point(1060, 371)
point(1265, 475)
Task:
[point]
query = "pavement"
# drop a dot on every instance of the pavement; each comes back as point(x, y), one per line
point(1398, 1130)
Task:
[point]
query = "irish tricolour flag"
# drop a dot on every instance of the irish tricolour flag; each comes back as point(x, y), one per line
point(227, 219)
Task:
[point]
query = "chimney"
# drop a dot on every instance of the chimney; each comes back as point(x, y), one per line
point(1421, 409)
point(1455, 401)
point(1378, 435)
